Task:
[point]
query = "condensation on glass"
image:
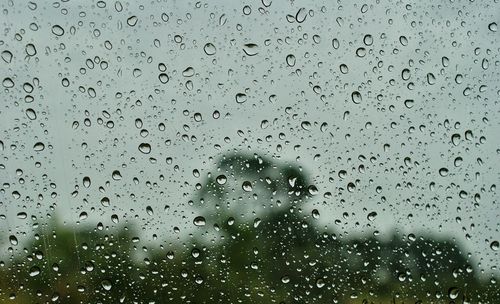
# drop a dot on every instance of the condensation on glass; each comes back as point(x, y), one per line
point(249, 152)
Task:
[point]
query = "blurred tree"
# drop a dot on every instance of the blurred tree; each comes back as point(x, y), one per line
point(253, 243)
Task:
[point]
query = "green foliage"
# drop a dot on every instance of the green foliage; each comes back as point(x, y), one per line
point(276, 254)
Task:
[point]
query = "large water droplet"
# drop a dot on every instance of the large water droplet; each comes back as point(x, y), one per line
point(145, 148)
point(356, 97)
point(209, 49)
point(241, 98)
point(199, 221)
point(251, 49)
point(57, 30)
point(132, 20)
point(247, 186)
point(290, 60)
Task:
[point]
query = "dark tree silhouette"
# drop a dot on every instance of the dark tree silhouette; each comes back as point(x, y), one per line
point(252, 243)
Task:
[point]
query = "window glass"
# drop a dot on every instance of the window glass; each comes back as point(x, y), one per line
point(249, 151)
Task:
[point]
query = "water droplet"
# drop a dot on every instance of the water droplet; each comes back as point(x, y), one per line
point(188, 72)
point(57, 30)
point(8, 83)
point(209, 49)
point(285, 279)
point(356, 97)
point(221, 179)
point(493, 27)
point(30, 49)
point(453, 293)
point(86, 182)
point(301, 15)
point(106, 284)
point(7, 56)
point(495, 245)
point(163, 77)
point(431, 79)
point(409, 103)
point(105, 202)
point(290, 60)
point(371, 216)
point(251, 49)
point(443, 172)
point(315, 214)
point(116, 175)
point(199, 221)
point(368, 40)
point(31, 114)
point(34, 271)
point(132, 20)
point(320, 283)
point(39, 147)
point(145, 148)
point(247, 186)
point(13, 240)
point(241, 98)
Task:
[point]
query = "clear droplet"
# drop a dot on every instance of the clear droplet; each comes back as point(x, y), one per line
point(106, 284)
point(241, 98)
point(290, 60)
point(145, 148)
point(57, 30)
point(247, 186)
point(209, 49)
point(495, 245)
point(356, 97)
point(199, 221)
point(39, 146)
point(132, 20)
point(221, 179)
point(251, 49)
